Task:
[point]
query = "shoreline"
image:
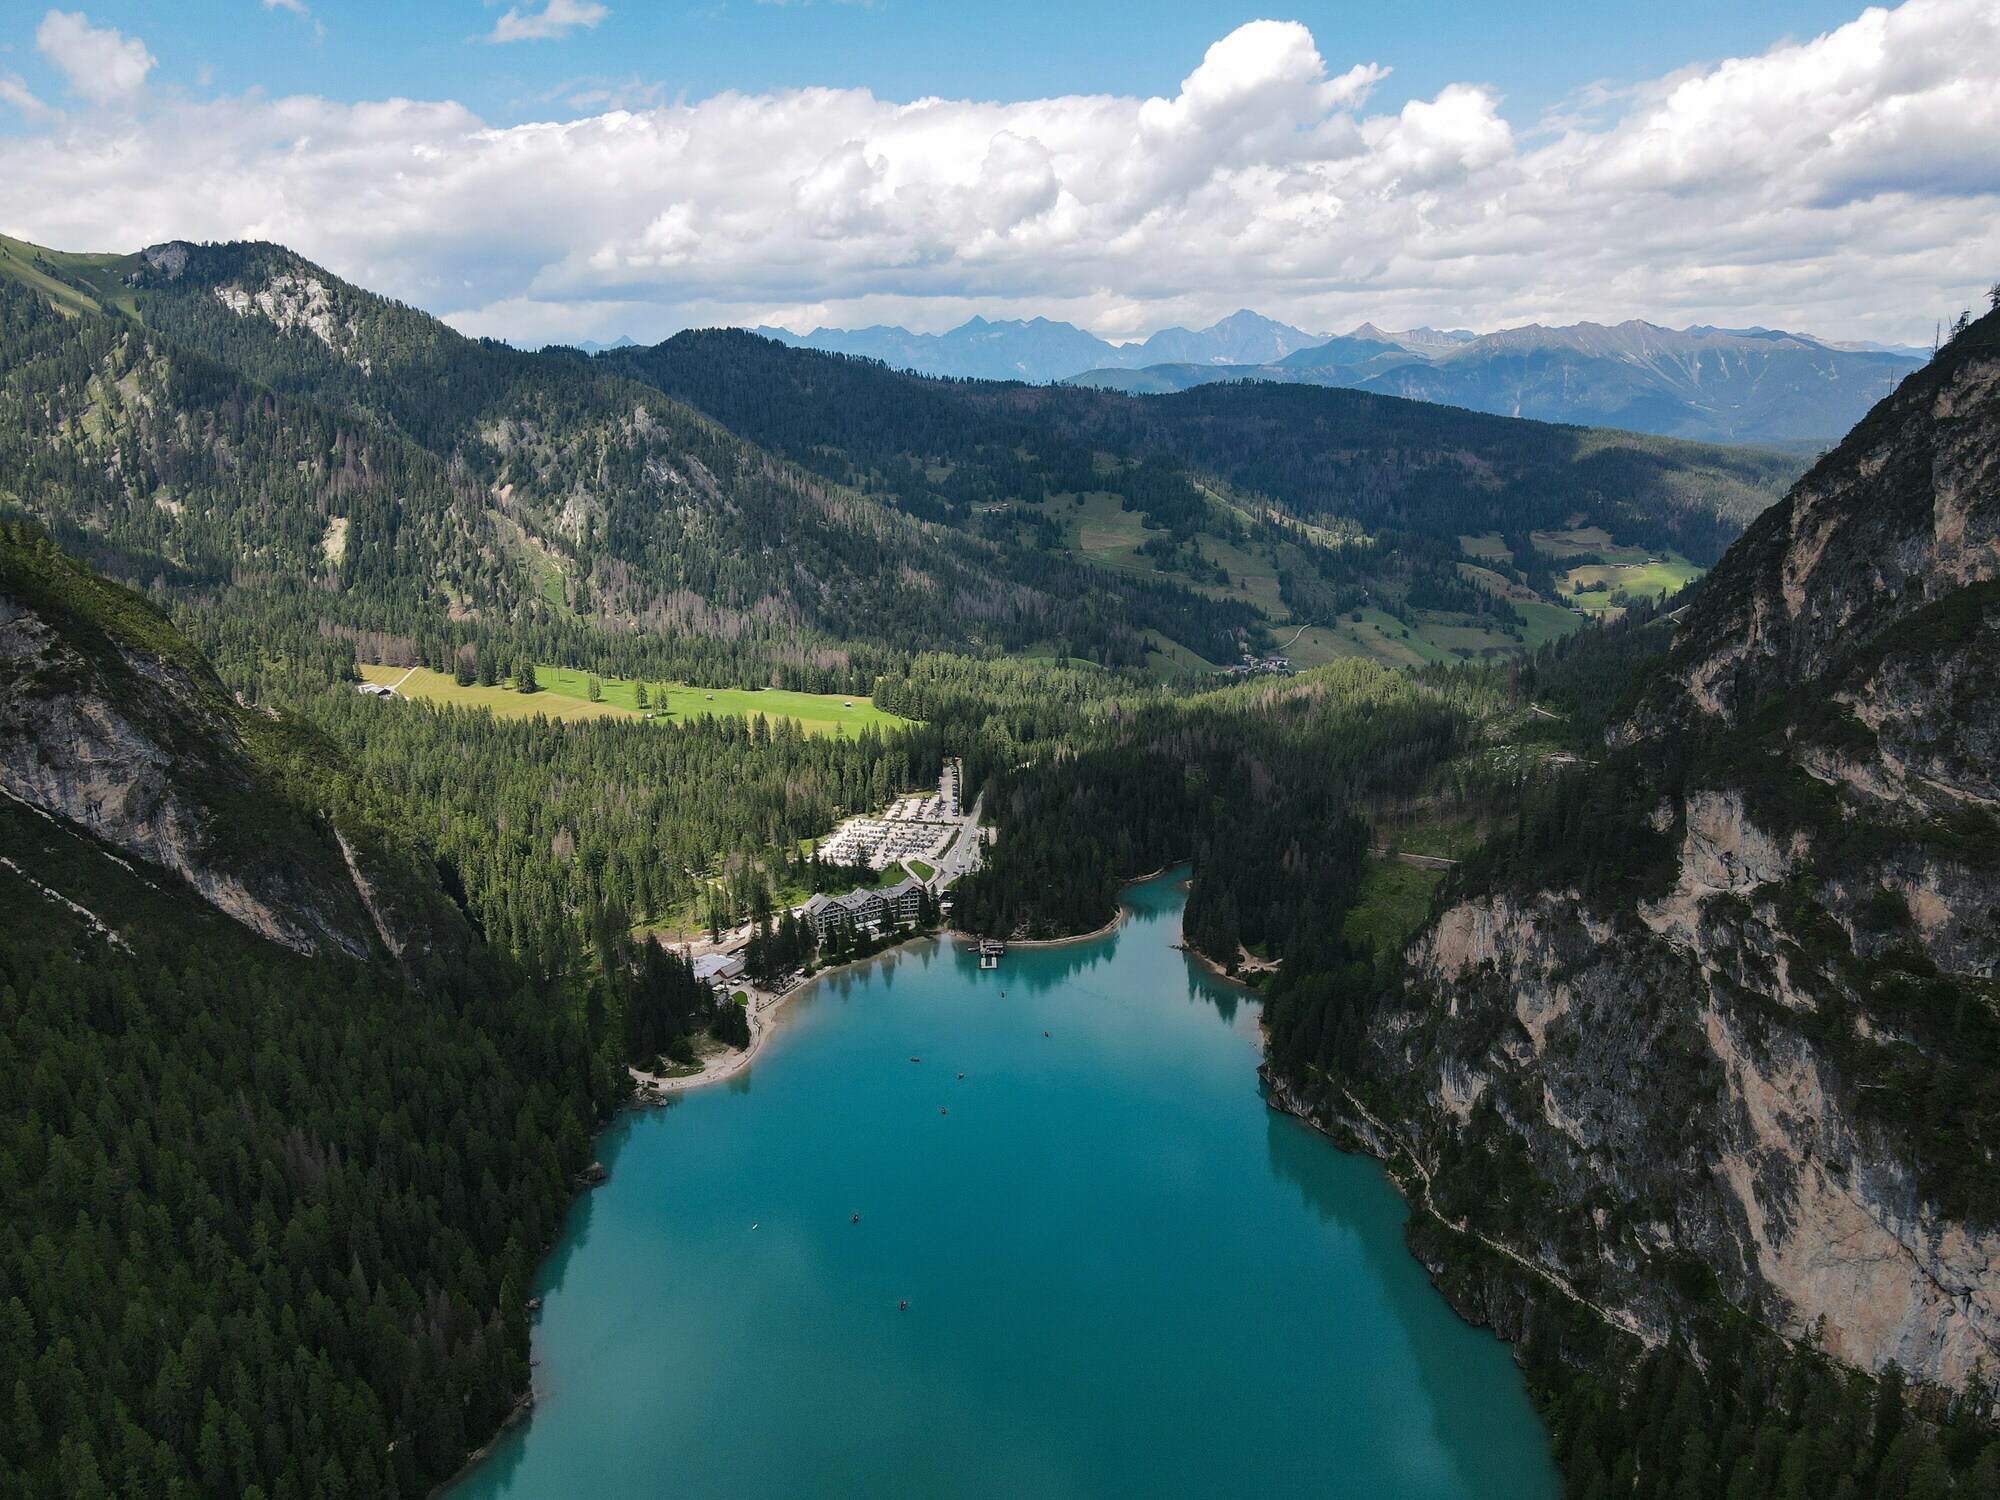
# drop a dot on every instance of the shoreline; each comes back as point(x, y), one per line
point(522, 1409)
point(1117, 918)
point(1215, 970)
point(959, 935)
point(656, 1088)
point(653, 1088)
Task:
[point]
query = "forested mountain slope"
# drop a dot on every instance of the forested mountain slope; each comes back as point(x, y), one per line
point(282, 1138)
point(363, 469)
point(1312, 504)
point(243, 419)
point(1714, 1031)
point(1320, 454)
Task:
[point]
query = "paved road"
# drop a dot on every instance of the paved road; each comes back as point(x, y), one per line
point(964, 854)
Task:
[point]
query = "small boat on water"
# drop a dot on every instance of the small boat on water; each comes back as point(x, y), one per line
point(855, 1220)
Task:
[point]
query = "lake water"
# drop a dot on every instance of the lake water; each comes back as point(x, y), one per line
point(1126, 1276)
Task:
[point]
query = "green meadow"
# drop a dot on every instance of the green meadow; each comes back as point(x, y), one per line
point(565, 694)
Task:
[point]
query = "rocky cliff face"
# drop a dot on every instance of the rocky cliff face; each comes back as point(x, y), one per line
point(1755, 1066)
point(110, 721)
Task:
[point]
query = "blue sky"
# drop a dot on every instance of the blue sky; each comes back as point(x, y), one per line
point(1534, 52)
point(620, 167)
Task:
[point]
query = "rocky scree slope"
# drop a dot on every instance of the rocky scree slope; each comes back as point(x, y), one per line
point(1716, 1029)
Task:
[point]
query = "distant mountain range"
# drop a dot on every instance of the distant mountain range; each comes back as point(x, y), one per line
point(1747, 385)
point(1040, 350)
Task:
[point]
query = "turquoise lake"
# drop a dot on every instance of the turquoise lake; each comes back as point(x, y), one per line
point(1126, 1275)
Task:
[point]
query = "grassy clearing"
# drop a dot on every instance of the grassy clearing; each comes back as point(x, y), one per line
point(1377, 636)
point(1496, 584)
point(1488, 548)
point(1579, 539)
point(1469, 642)
point(504, 703)
point(1170, 658)
point(816, 713)
point(566, 695)
point(1653, 579)
point(1346, 532)
point(1317, 645)
point(1103, 532)
point(1547, 622)
point(543, 569)
point(1394, 901)
point(103, 274)
point(1251, 577)
point(1439, 835)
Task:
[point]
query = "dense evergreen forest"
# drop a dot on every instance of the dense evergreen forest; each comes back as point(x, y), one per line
point(266, 1219)
point(1259, 784)
point(268, 1222)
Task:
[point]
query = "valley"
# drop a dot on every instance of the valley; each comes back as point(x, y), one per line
point(1594, 827)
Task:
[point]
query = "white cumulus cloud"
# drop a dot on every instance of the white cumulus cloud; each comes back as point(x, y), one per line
point(556, 18)
point(99, 63)
point(1848, 184)
point(15, 91)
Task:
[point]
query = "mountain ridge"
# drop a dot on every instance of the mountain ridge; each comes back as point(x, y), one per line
point(1634, 374)
point(1724, 1003)
point(1745, 386)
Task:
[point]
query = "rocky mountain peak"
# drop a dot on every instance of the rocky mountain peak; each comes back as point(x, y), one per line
point(1904, 512)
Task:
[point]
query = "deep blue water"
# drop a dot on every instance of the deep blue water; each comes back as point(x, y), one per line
point(1126, 1276)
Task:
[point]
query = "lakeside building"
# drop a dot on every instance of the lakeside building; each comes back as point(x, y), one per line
point(719, 970)
point(901, 902)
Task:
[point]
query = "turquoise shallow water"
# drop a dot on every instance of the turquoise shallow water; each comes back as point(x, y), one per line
point(1126, 1275)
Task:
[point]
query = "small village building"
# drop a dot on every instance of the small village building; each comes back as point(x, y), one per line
point(718, 970)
